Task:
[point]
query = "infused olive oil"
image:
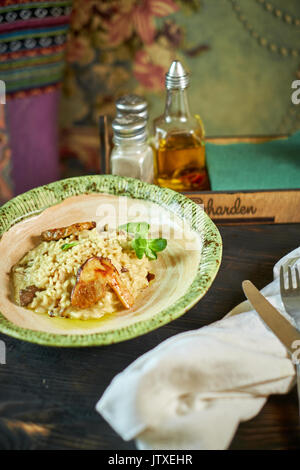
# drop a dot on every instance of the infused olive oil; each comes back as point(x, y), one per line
point(179, 139)
point(180, 161)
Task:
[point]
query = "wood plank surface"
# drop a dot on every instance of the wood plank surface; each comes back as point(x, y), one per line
point(48, 395)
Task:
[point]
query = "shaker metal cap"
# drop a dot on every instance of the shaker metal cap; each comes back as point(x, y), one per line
point(132, 104)
point(177, 76)
point(129, 127)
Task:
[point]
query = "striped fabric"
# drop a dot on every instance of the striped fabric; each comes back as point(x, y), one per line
point(32, 43)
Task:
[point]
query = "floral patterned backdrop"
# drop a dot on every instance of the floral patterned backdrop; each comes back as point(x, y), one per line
point(243, 57)
point(116, 47)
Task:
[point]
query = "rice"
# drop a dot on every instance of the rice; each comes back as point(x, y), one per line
point(53, 271)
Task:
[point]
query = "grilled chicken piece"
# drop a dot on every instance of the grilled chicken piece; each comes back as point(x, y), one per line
point(115, 282)
point(90, 284)
point(64, 232)
point(27, 295)
point(92, 280)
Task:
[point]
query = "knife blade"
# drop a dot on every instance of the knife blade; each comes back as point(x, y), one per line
point(280, 326)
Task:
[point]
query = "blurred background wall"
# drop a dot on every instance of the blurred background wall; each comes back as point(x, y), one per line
point(243, 56)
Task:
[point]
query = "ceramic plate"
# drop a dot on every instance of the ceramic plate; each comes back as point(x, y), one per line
point(183, 272)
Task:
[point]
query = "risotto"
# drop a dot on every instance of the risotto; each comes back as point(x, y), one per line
point(44, 280)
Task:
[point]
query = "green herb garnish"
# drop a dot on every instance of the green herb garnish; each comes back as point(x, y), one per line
point(142, 245)
point(137, 228)
point(66, 246)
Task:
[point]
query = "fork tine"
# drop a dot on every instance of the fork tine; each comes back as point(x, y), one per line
point(290, 285)
point(281, 279)
point(297, 278)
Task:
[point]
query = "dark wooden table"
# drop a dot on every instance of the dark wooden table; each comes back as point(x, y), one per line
point(48, 395)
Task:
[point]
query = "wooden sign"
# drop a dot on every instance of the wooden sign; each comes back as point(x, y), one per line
point(273, 207)
point(239, 207)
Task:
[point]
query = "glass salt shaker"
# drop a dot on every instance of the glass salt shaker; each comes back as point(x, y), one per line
point(132, 104)
point(131, 155)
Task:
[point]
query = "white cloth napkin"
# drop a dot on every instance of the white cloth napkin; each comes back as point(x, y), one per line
point(193, 390)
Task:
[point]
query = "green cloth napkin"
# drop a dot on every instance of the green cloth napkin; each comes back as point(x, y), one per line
point(270, 165)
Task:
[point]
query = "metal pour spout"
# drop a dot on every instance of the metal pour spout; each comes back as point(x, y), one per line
point(177, 76)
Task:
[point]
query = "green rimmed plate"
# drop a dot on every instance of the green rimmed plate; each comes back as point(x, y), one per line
point(183, 273)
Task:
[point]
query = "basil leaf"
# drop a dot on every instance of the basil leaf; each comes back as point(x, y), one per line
point(158, 244)
point(150, 253)
point(66, 246)
point(139, 245)
point(138, 228)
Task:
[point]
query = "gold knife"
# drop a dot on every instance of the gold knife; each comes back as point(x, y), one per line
point(280, 326)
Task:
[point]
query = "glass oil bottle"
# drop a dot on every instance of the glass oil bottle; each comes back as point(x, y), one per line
point(179, 138)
